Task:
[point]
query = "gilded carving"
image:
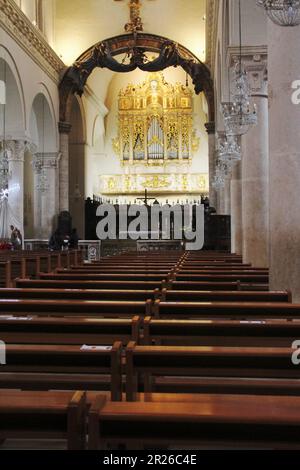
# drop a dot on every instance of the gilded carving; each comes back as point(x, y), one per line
point(161, 122)
point(157, 183)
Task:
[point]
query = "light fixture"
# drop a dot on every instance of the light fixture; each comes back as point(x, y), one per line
point(229, 151)
point(42, 184)
point(239, 115)
point(282, 12)
point(220, 175)
point(4, 165)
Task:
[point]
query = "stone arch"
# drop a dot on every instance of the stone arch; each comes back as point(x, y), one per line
point(102, 55)
point(15, 114)
point(42, 126)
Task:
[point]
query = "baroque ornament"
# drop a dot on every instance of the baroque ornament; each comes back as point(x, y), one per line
point(155, 123)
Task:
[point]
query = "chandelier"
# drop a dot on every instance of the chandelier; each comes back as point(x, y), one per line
point(42, 180)
point(39, 163)
point(219, 178)
point(4, 166)
point(229, 151)
point(239, 115)
point(282, 12)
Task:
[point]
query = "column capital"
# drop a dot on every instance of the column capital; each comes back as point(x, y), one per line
point(15, 150)
point(210, 127)
point(255, 63)
point(64, 127)
point(48, 160)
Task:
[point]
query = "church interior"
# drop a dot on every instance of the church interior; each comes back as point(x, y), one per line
point(124, 335)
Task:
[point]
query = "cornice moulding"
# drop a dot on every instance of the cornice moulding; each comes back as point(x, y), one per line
point(247, 52)
point(30, 39)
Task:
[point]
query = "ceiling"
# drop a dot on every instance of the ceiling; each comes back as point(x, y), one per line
point(81, 23)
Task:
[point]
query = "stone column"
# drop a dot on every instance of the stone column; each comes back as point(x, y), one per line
point(236, 210)
point(16, 149)
point(64, 131)
point(255, 168)
point(284, 118)
point(46, 194)
point(210, 129)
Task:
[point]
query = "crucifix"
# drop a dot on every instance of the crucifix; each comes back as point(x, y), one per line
point(135, 24)
point(146, 198)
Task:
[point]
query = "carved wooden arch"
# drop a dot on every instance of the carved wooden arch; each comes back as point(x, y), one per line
point(102, 55)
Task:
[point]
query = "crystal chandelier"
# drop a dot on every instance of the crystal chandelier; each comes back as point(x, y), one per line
point(219, 178)
point(239, 115)
point(42, 183)
point(282, 12)
point(39, 163)
point(229, 151)
point(4, 166)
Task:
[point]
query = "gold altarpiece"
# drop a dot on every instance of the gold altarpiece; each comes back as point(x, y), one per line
point(155, 132)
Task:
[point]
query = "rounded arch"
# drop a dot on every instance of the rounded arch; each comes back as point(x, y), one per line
point(102, 55)
point(14, 121)
point(43, 90)
point(42, 126)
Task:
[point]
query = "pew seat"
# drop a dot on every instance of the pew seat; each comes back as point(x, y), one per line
point(198, 363)
point(75, 308)
point(171, 295)
point(271, 333)
point(62, 367)
point(232, 310)
point(44, 415)
point(76, 294)
point(68, 330)
point(270, 422)
point(84, 284)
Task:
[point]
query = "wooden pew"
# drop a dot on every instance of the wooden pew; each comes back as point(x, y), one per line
point(104, 277)
point(213, 277)
point(83, 284)
point(62, 367)
point(226, 259)
point(205, 420)
point(171, 295)
point(222, 270)
point(74, 308)
point(44, 415)
point(17, 266)
point(197, 368)
point(233, 310)
point(122, 264)
point(68, 330)
point(76, 294)
point(5, 274)
point(113, 271)
point(204, 285)
point(221, 264)
point(271, 333)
